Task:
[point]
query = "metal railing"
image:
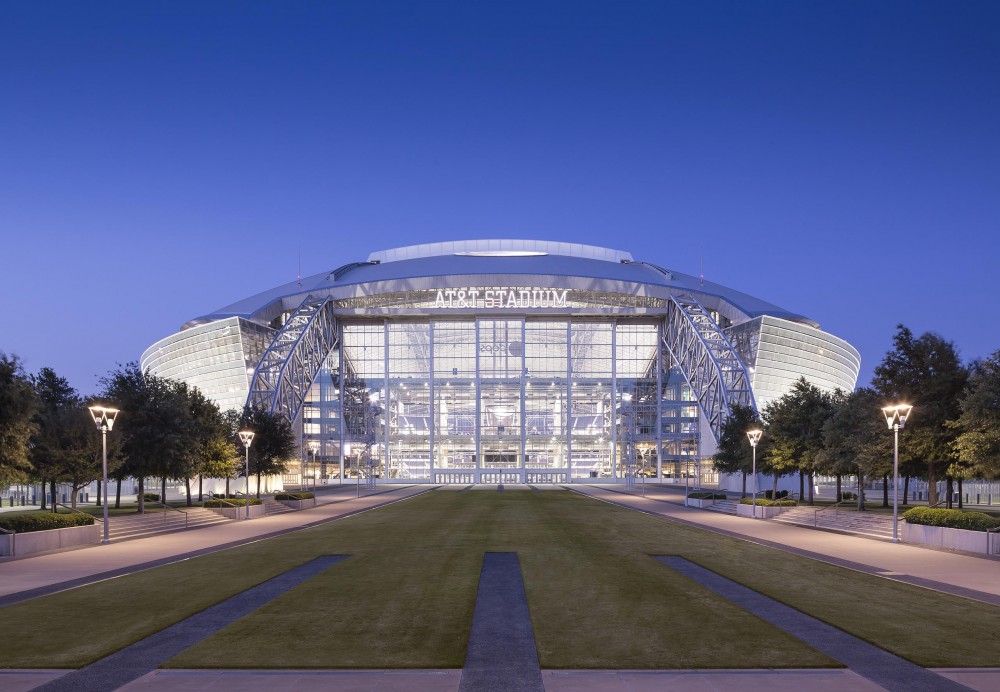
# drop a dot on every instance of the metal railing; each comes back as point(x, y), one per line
point(835, 507)
point(165, 515)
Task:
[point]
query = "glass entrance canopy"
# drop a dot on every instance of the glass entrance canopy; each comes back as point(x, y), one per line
point(501, 400)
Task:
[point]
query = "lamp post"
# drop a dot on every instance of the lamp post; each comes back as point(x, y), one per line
point(247, 437)
point(895, 418)
point(754, 437)
point(314, 447)
point(104, 418)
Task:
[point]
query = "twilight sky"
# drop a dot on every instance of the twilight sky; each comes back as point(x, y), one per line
point(159, 160)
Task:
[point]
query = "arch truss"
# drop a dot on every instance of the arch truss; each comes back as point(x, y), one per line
point(290, 364)
point(708, 360)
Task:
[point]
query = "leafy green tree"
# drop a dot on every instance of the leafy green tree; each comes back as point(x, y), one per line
point(978, 443)
point(855, 439)
point(795, 430)
point(18, 403)
point(927, 373)
point(221, 459)
point(273, 442)
point(734, 454)
point(154, 424)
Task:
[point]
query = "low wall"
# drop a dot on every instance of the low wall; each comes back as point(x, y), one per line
point(21, 544)
point(955, 539)
point(762, 512)
point(694, 502)
point(239, 512)
point(299, 504)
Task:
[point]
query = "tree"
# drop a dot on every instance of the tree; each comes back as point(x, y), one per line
point(978, 443)
point(18, 403)
point(221, 459)
point(734, 454)
point(154, 423)
point(855, 440)
point(273, 442)
point(926, 373)
point(795, 431)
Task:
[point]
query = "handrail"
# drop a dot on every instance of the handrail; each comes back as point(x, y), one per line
point(834, 506)
point(73, 509)
point(159, 502)
point(222, 499)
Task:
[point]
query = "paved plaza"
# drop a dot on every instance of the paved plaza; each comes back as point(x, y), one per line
point(959, 574)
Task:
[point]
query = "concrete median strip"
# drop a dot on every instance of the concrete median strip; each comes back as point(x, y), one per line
point(501, 654)
point(140, 658)
point(877, 665)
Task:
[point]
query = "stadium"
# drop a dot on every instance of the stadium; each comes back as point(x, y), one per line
point(503, 361)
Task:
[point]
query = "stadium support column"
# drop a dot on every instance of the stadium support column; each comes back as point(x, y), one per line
point(524, 453)
point(568, 419)
point(478, 468)
point(614, 400)
point(432, 418)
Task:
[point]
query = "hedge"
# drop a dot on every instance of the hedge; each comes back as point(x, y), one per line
point(151, 497)
point(237, 501)
point(43, 521)
point(706, 495)
point(294, 496)
point(951, 518)
point(768, 503)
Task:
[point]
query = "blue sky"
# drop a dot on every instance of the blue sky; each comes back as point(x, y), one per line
point(160, 160)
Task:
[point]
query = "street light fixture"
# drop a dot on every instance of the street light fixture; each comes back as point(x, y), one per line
point(247, 437)
point(895, 418)
point(754, 437)
point(104, 418)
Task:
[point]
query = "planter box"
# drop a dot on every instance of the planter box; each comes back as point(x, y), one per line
point(762, 512)
point(21, 544)
point(239, 512)
point(299, 504)
point(955, 539)
point(692, 502)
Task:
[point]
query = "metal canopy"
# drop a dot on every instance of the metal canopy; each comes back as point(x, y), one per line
point(708, 360)
point(290, 364)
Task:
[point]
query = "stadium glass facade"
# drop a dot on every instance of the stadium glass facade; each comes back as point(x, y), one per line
point(503, 361)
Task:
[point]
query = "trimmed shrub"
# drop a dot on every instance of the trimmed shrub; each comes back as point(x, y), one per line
point(951, 518)
point(707, 495)
point(43, 521)
point(294, 496)
point(151, 497)
point(848, 496)
point(236, 501)
point(781, 494)
point(768, 503)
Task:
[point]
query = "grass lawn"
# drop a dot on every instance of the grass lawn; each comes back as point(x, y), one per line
point(405, 597)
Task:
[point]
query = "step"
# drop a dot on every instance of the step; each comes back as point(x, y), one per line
point(140, 526)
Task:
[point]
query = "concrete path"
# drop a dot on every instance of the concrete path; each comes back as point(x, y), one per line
point(956, 573)
point(35, 576)
point(501, 654)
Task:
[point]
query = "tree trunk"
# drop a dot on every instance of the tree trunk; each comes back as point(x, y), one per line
point(931, 485)
point(258, 485)
point(72, 496)
point(906, 490)
point(812, 486)
point(227, 486)
point(187, 485)
point(949, 489)
point(802, 485)
point(55, 506)
point(140, 494)
point(44, 505)
point(885, 490)
point(861, 492)
point(201, 491)
point(744, 484)
point(118, 494)
point(100, 487)
point(163, 490)
point(960, 493)
point(840, 495)
point(774, 490)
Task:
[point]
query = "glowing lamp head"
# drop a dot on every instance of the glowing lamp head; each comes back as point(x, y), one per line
point(896, 415)
point(754, 436)
point(104, 418)
point(247, 437)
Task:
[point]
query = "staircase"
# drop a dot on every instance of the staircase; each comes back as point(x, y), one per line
point(272, 506)
point(129, 526)
point(840, 520)
point(723, 506)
